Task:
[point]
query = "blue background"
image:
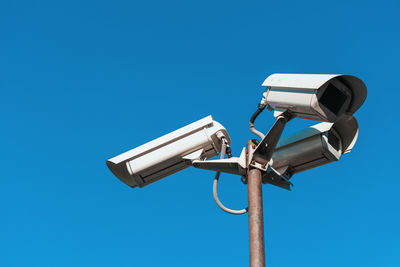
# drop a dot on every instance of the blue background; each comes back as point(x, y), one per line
point(82, 81)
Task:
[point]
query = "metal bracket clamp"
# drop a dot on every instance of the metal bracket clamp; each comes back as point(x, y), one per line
point(272, 176)
point(259, 156)
point(265, 149)
point(232, 165)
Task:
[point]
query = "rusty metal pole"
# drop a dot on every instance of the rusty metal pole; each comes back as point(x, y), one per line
point(256, 222)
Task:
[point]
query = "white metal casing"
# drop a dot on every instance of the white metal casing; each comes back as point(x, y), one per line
point(318, 145)
point(169, 154)
point(321, 97)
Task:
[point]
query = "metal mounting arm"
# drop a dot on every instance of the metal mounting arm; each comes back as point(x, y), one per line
point(266, 147)
point(271, 176)
point(232, 165)
point(257, 157)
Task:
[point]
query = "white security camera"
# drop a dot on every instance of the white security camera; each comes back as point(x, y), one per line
point(320, 97)
point(170, 153)
point(318, 145)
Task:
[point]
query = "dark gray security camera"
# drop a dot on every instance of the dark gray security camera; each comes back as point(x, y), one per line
point(318, 145)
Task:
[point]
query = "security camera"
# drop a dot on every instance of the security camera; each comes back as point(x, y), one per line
point(318, 145)
point(320, 97)
point(170, 153)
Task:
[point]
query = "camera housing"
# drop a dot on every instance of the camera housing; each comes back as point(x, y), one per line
point(320, 144)
point(321, 97)
point(170, 153)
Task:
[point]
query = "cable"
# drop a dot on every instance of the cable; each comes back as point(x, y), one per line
point(261, 107)
point(215, 186)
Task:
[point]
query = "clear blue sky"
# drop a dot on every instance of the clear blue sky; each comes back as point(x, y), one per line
point(82, 81)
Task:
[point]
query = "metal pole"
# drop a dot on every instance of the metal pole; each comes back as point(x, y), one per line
point(256, 223)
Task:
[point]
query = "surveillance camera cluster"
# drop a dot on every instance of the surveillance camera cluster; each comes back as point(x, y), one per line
point(330, 99)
